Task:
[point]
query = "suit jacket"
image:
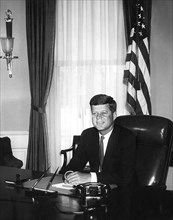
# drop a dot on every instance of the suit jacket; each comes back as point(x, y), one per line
point(119, 161)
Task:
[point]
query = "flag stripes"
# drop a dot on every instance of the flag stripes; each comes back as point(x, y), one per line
point(137, 69)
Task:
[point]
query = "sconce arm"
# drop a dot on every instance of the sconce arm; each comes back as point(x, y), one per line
point(9, 57)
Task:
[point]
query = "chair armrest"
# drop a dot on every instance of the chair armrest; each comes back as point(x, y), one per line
point(66, 150)
point(12, 161)
point(64, 153)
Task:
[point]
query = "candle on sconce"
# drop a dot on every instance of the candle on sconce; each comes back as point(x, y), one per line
point(9, 20)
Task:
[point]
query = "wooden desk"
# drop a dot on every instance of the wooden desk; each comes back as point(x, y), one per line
point(15, 205)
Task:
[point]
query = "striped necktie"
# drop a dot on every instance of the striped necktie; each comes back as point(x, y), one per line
point(101, 151)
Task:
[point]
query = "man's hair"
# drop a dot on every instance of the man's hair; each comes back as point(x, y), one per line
point(102, 99)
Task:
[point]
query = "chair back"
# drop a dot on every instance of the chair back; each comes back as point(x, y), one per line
point(153, 147)
point(6, 155)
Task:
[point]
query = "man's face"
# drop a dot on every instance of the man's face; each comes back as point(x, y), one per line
point(102, 118)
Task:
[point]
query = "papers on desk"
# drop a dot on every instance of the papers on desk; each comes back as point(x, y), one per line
point(63, 186)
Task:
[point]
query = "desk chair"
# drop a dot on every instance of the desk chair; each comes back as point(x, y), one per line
point(6, 155)
point(154, 144)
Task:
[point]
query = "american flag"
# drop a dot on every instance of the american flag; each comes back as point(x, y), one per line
point(137, 67)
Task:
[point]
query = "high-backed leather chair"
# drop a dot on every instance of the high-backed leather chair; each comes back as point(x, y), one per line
point(154, 141)
point(6, 156)
point(154, 144)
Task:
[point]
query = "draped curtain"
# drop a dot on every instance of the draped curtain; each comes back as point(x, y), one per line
point(40, 24)
point(89, 59)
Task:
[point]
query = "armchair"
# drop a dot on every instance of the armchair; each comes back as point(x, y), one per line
point(6, 156)
point(75, 143)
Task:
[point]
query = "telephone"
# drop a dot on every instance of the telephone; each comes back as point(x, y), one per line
point(93, 194)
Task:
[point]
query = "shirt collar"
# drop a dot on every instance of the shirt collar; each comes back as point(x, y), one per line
point(106, 135)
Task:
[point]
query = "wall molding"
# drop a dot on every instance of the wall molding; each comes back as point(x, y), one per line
point(3, 133)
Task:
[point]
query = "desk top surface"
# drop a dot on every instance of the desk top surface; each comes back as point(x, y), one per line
point(27, 207)
point(16, 205)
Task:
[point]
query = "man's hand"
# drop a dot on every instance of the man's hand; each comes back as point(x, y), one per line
point(76, 178)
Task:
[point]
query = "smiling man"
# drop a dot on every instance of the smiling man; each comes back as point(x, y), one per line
point(108, 148)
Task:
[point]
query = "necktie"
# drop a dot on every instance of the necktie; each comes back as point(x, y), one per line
point(101, 151)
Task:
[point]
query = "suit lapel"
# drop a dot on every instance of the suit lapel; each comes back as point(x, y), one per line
point(111, 146)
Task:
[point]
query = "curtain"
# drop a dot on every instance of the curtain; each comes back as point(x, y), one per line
point(89, 59)
point(40, 23)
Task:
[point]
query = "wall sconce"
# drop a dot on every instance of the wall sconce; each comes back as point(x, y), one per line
point(7, 43)
point(7, 47)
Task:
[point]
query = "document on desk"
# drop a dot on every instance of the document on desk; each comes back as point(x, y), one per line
point(64, 188)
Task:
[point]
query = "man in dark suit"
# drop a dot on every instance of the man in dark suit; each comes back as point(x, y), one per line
point(118, 148)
